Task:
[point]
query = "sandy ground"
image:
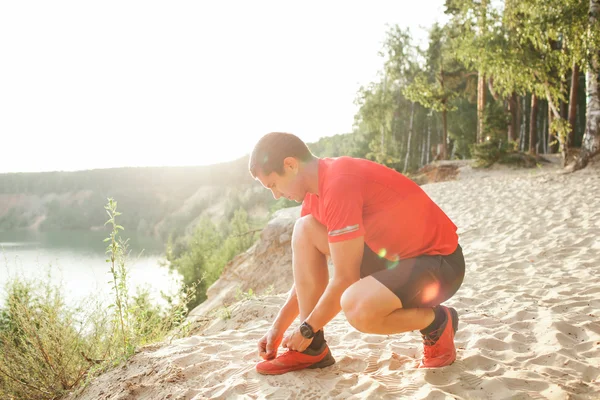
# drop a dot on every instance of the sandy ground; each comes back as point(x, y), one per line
point(529, 313)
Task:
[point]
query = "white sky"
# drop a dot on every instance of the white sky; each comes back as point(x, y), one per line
point(121, 83)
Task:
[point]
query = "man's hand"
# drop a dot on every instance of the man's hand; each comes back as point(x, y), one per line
point(268, 344)
point(295, 341)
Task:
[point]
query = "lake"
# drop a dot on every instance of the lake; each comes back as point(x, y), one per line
point(77, 261)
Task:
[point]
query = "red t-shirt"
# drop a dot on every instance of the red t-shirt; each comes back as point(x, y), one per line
point(359, 197)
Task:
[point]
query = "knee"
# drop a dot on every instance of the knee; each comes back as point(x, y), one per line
point(302, 228)
point(308, 230)
point(355, 309)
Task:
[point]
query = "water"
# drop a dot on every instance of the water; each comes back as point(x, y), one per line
point(77, 262)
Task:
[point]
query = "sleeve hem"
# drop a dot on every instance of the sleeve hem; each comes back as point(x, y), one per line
point(346, 236)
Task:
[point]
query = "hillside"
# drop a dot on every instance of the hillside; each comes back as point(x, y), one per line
point(154, 201)
point(528, 309)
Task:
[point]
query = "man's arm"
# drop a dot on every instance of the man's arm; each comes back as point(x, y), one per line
point(288, 313)
point(347, 256)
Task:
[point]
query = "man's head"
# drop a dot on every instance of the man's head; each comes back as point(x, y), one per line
point(277, 161)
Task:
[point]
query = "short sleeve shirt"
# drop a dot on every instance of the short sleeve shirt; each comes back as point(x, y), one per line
point(397, 218)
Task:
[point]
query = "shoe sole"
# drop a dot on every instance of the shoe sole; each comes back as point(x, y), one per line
point(325, 362)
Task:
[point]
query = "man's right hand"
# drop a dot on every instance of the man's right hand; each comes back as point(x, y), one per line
point(268, 344)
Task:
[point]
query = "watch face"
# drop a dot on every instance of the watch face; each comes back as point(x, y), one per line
point(306, 331)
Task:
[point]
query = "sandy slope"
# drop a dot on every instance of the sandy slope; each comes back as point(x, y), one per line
point(529, 308)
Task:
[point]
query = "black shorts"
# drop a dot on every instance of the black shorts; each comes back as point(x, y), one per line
point(423, 281)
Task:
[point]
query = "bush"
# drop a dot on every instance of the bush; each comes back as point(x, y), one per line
point(208, 250)
point(48, 349)
point(487, 153)
point(493, 151)
point(280, 204)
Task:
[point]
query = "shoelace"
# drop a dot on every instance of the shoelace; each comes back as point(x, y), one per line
point(429, 341)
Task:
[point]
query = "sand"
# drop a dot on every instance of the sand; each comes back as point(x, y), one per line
point(529, 313)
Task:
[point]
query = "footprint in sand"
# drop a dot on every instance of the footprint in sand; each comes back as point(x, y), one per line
point(528, 384)
point(439, 377)
point(214, 349)
point(351, 364)
point(574, 331)
point(190, 359)
point(492, 344)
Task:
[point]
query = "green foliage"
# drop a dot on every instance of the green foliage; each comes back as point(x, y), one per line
point(15, 219)
point(48, 349)
point(208, 250)
point(150, 198)
point(436, 86)
point(462, 126)
point(248, 295)
point(117, 251)
point(195, 260)
point(43, 350)
point(225, 313)
point(281, 203)
point(136, 320)
point(348, 144)
point(382, 121)
point(487, 153)
point(560, 129)
point(495, 121)
point(493, 151)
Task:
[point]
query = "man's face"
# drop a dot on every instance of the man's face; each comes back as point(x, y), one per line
point(288, 185)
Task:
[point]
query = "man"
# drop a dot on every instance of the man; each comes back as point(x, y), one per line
point(395, 255)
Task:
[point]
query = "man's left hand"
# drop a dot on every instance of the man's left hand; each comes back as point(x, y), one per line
point(295, 341)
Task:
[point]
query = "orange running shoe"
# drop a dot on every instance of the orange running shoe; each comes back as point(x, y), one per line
point(441, 352)
point(294, 360)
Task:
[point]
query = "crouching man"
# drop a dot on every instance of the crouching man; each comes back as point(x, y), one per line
point(395, 255)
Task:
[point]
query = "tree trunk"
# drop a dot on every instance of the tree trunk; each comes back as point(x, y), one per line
point(544, 130)
point(533, 124)
point(520, 101)
point(481, 83)
point(523, 128)
point(541, 131)
point(564, 149)
point(590, 145)
point(564, 110)
point(552, 140)
point(438, 147)
point(444, 120)
point(428, 138)
point(480, 106)
point(410, 129)
point(495, 95)
point(573, 103)
point(444, 133)
point(513, 105)
point(422, 162)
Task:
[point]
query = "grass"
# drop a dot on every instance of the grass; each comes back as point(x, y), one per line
point(48, 348)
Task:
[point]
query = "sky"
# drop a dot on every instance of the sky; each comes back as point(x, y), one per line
point(87, 85)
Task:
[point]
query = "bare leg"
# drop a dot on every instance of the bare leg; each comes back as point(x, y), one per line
point(372, 308)
point(309, 260)
point(402, 320)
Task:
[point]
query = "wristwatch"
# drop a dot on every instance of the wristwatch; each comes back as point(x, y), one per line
point(306, 331)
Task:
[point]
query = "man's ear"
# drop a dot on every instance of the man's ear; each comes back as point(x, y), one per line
point(291, 163)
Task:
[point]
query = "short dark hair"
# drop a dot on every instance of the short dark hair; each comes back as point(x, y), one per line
point(272, 149)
